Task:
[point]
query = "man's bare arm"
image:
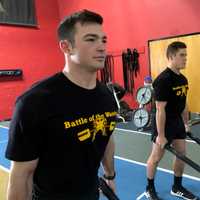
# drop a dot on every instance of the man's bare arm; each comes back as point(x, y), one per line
point(20, 180)
point(108, 159)
point(185, 116)
point(108, 162)
point(160, 122)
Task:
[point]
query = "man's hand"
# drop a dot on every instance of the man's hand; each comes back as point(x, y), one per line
point(187, 128)
point(107, 188)
point(111, 184)
point(161, 141)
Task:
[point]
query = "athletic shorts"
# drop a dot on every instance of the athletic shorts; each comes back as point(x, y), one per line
point(174, 128)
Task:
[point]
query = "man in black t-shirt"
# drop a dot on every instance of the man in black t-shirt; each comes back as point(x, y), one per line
point(170, 123)
point(62, 127)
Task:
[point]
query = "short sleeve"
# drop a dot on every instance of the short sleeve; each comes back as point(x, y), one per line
point(161, 89)
point(25, 136)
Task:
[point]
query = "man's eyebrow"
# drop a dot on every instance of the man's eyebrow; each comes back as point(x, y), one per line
point(93, 35)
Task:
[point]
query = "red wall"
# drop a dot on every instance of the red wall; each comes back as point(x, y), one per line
point(34, 50)
point(128, 24)
point(131, 23)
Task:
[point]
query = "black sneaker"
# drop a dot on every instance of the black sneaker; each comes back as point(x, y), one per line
point(151, 194)
point(183, 193)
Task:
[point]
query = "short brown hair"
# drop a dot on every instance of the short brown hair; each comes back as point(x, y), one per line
point(66, 28)
point(174, 47)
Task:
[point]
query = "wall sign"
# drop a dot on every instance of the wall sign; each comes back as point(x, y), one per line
point(11, 73)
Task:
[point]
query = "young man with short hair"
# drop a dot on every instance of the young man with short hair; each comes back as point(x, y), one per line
point(62, 127)
point(171, 120)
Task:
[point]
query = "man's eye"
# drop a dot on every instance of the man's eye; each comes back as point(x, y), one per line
point(104, 41)
point(90, 39)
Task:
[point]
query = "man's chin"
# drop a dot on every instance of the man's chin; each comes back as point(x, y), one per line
point(96, 68)
point(99, 67)
point(182, 67)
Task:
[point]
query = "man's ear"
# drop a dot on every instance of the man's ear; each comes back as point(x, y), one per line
point(171, 56)
point(65, 46)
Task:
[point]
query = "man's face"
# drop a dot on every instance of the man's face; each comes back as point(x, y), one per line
point(179, 59)
point(89, 48)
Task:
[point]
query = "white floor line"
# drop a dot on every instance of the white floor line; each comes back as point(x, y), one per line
point(138, 163)
point(3, 127)
point(144, 133)
point(159, 168)
point(4, 169)
point(132, 161)
point(140, 196)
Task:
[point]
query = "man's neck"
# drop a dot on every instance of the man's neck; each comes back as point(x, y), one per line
point(174, 69)
point(81, 78)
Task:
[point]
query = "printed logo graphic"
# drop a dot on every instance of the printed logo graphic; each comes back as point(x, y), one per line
point(99, 123)
point(181, 90)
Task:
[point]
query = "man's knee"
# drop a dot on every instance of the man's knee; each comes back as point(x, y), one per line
point(180, 146)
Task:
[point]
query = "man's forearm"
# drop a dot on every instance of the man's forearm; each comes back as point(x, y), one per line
point(160, 122)
point(108, 159)
point(185, 116)
point(19, 188)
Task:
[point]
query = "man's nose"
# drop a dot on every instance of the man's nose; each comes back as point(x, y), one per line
point(101, 47)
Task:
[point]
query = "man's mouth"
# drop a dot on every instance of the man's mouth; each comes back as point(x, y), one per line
point(101, 58)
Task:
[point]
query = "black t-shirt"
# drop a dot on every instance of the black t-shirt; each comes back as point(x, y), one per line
point(67, 127)
point(172, 88)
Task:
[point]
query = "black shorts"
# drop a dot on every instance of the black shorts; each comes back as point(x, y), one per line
point(174, 128)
